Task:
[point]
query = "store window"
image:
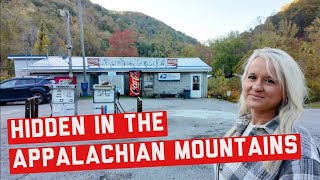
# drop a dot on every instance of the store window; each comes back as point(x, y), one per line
point(148, 81)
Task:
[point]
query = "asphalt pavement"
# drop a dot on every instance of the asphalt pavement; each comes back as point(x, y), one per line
point(187, 118)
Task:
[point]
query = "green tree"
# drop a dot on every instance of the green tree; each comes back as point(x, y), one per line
point(162, 45)
point(204, 53)
point(145, 49)
point(189, 51)
point(9, 35)
point(227, 52)
point(308, 58)
point(302, 13)
point(42, 42)
point(265, 36)
point(282, 36)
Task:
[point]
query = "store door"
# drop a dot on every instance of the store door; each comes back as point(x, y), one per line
point(195, 91)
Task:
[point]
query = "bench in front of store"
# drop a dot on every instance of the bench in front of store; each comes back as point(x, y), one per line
point(164, 95)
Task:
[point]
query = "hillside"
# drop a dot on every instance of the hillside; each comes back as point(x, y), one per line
point(300, 12)
point(21, 19)
point(295, 29)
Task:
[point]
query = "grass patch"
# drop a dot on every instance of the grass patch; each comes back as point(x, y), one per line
point(315, 105)
point(88, 97)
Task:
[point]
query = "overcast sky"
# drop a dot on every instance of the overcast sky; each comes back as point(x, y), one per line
point(201, 19)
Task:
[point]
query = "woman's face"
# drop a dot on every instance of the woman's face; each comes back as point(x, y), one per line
point(262, 93)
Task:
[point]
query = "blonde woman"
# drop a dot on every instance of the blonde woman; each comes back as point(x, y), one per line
point(271, 102)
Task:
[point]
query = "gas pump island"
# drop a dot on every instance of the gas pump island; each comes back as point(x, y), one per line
point(104, 99)
point(64, 100)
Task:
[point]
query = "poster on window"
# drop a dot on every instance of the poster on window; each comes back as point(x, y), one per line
point(134, 80)
point(148, 81)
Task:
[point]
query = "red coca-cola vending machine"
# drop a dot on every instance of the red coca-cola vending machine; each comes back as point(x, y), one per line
point(135, 88)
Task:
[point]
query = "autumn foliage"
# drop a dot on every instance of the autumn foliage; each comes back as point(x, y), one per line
point(40, 46)
point(122, 44)
point(295, 30)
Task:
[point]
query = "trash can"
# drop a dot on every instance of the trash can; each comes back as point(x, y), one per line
point(186, 94)
point(84, 88)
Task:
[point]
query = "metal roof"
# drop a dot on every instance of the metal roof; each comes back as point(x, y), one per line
point(24, 57)
point(122, 64)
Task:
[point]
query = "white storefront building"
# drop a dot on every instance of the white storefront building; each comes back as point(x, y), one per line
point(157, 76)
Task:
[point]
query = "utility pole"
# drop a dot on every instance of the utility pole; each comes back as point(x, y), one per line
point(84, 84)
point(65, 13)
point(82, 41)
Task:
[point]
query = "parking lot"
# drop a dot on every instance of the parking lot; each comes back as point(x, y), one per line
point(187, 118)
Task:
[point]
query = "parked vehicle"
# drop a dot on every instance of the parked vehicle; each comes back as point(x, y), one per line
point(22, 88)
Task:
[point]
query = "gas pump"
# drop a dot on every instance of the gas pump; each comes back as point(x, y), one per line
point(64, 100)
point(104, 99)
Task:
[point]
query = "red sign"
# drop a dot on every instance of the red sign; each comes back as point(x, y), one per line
point(135, 89)
point(59, 78)
point(93, 61)
point(153, 154)
point(87, 127)
point(172, 62)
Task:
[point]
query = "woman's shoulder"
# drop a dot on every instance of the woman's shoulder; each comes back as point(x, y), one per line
point(309, 148)
point(308, 167)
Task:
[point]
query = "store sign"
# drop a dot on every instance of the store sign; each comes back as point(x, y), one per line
point(132, 63)
point(135, 89)
point(60, 79)
point(168, 76)
point(93, 61)
point(172, 63)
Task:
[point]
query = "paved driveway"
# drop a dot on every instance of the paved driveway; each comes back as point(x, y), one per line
point(190, 118)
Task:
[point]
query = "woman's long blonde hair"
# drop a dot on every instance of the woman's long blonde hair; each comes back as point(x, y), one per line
point(284, 68)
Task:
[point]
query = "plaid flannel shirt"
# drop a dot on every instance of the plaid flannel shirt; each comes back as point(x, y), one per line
point(308, 167)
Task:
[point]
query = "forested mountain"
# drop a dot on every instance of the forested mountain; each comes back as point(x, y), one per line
point(295, 29)
point(22, 22)
point(24, 16)
point(300, 12)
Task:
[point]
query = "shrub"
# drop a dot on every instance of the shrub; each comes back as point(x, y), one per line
point(37, 3)
point(219, 85)
point(314, 90)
